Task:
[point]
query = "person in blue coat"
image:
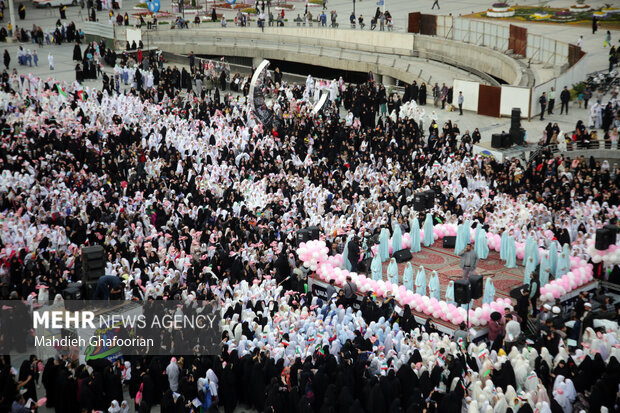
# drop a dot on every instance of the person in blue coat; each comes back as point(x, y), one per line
point(428, 231)
point(345, 255)
point(553, 257)
point(503, 246)
point(392, 271)
point(482, 246)
point(462, 237)
point(511, 252)
point(376, 268)
point(397, 239)
point(384, 245)
point(531, 250)
point(545, 270)
point(420, 282)
point(450, 293)
point(489, 292)
point(563, 265)
point(414, 235)
point(529, 268)
point(434, 287)
point(408, 277)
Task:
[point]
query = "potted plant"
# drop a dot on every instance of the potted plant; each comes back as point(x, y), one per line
point(500, 10)
point(579, 7)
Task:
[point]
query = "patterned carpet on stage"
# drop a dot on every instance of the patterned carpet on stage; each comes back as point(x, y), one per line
point(446, 263)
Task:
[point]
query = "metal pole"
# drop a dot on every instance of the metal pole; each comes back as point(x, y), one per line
point(12, 16)
point(353, 6)
point(383, 8)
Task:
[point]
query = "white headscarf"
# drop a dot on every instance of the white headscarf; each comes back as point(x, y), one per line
point(212, 380)
point(114, 407)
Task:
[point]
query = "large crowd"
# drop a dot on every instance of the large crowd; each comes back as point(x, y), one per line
point(194, 199)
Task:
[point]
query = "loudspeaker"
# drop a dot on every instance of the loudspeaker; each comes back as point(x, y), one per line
point(313, 232)
point(461, 291)
point(475, 283)
point(516, 292)
point(302, 236)
point(449, 241)
point(429, 198)
point(613, 231)
point(72, 296)
point(604, 238)
point(506, 140)
point(403, 255)
point(517, 135)
point(419, 202)
point(93, 263)
point(307, 234)
point(496, 140)
point(515, 118)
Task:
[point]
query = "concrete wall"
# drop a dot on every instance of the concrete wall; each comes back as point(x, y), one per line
point(478, 57)
point(385, 53)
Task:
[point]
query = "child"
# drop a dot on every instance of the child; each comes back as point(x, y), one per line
point(607, 42)
point(50, 59)
point(580, 99)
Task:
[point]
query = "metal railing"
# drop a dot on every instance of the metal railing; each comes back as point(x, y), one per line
point(582, 146)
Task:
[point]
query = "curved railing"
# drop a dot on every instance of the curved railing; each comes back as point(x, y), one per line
point(385, 51)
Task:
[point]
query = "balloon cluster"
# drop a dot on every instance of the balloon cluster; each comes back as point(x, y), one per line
point(581, 273)
point(313, 253)
point(610, 256)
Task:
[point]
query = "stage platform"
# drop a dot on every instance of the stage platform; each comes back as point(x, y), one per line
point(501, 154)
point(446, 263)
